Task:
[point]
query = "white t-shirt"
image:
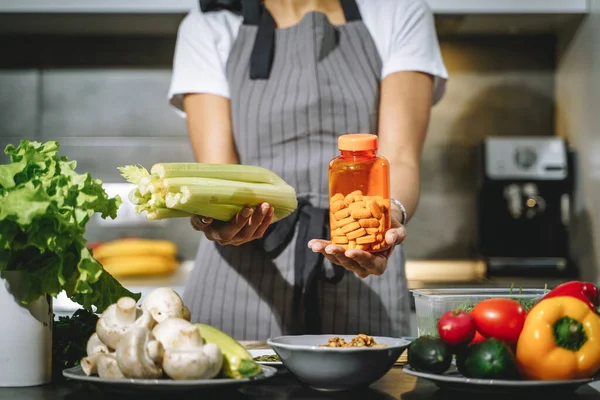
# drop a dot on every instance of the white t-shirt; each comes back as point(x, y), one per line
point(403, 32)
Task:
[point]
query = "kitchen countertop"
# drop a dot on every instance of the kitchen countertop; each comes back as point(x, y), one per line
point(395, 385)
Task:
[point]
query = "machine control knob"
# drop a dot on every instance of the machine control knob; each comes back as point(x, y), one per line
point(525, 157)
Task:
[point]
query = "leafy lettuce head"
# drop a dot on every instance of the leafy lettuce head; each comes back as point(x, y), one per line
point(44, 208)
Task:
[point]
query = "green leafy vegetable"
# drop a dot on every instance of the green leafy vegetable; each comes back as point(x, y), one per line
point(69, 340)
point(44, 208)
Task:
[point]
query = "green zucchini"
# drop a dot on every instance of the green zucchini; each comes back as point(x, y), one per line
point(237, 360)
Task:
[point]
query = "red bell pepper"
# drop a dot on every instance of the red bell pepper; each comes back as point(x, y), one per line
point(584, 291)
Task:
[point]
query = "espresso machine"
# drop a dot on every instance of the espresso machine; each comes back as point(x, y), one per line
point(524, 191)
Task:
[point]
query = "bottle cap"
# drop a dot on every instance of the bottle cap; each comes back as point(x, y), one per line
point(357, 142)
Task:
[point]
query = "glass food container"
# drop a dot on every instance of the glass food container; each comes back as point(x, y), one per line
point(359, 194)
point(431, 304)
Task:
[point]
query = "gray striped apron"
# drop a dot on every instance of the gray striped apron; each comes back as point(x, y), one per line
point(294, 91)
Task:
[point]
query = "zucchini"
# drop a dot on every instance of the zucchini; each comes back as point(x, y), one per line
point(237, 361)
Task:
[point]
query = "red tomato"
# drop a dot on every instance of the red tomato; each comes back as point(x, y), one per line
point(477, 338)
point(501, 318)
point(456, 327)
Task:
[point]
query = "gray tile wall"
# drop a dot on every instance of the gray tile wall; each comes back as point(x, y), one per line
point(104, 99)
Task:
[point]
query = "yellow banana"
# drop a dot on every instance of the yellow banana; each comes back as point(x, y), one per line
point(139, 265)
point(134, 247)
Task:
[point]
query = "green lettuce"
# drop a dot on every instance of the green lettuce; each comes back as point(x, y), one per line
point(44, 208)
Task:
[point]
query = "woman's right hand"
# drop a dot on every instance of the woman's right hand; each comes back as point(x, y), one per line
point(249, 224)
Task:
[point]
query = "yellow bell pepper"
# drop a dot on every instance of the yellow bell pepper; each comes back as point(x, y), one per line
point(560, 340)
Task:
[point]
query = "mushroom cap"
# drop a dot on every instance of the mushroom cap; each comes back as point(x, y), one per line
point(118, 318)
point(177, 332)
point(164, 303)
point(95, 345)
point(139, 355)
point(215, 358)
point(185, 364)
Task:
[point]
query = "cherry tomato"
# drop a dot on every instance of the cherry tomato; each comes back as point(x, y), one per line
point(477, 338)
point(456, 327)
point(500, 318)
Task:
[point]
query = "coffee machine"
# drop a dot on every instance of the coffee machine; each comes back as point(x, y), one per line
point(524, 192)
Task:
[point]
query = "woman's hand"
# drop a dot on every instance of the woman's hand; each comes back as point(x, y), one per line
point(360, 262)
point(249, 224)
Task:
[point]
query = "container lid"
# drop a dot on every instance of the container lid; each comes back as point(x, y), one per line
point(357, 142)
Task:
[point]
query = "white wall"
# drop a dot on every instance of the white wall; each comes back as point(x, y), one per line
point(578, 119)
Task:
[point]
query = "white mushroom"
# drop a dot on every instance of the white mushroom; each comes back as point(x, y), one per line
point(120, 317)
point(186, 357)
point(94, 349)
point(164, 303)
point(139, 355)
point(167, 331)
point(108, 367)
point(95, 345)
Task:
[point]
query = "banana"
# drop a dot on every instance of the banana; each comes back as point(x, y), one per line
point(120, 266)
point(237, 361)
point(135, 247)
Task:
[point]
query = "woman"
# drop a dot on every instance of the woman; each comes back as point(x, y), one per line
point(274, 83)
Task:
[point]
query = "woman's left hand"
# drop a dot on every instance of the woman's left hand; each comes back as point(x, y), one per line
point(360, 262)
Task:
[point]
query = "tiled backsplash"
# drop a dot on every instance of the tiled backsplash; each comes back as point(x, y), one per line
point(104, 99)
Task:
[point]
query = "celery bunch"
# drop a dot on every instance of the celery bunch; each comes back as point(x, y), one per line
point(219, 191)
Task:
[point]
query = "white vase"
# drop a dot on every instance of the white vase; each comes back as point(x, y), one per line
point(25, 335)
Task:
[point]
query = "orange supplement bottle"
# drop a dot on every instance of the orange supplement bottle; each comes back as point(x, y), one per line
point(359, 194)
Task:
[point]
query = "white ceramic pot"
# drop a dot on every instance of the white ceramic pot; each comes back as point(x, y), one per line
point(25, 336)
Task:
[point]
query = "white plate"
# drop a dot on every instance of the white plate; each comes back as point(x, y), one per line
point(453, 380)
point(265, 352)
point(163, 385)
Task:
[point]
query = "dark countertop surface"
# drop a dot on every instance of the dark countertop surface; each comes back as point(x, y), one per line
point(395, 385)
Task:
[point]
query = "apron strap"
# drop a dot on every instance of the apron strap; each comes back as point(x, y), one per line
point(263, 51)
point(312, 223)
point(234, 6)
point(351, 10)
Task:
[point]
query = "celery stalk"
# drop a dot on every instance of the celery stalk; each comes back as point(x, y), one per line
point(219, 191)
point(221, 212)
point(230, 172)
point(165, 213)
point(250, 195)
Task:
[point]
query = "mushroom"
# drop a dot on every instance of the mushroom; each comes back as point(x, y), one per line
point(139, 355)
point(164, 303)
point(94, 349)
point(186, 356)
point(118, 318)
point(108, 367)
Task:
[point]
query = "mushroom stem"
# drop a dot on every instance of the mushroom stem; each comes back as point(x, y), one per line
point(189, 337)
point(126, 310)
point(89, 364)
point(155, 351)
point(133, 356)
point(108, 367)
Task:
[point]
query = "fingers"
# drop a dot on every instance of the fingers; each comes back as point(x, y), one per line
point(257, 225)
point(248, 224)
point(262, 228)
point(199, 222)
point(395, 236)
point(335, 254)
point(373, 263)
